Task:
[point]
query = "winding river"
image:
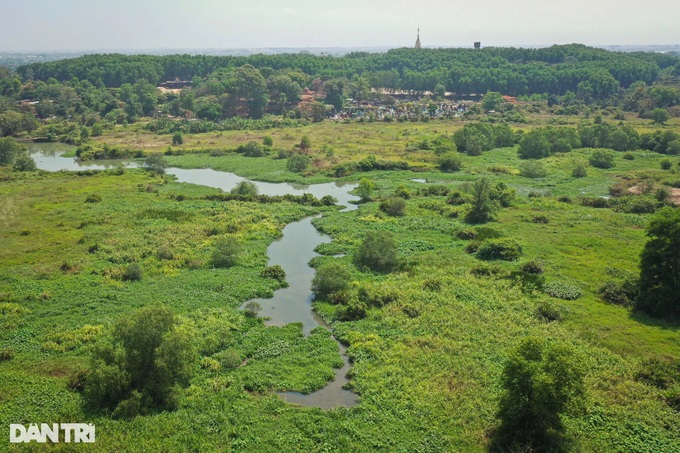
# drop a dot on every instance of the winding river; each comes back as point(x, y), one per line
point(292, 251)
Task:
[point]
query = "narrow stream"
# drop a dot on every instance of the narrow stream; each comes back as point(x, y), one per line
point(292, 251)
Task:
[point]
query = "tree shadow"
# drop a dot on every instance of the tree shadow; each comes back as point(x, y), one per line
point(652, 321)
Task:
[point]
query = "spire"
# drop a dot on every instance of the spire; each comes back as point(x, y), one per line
point(418, 45)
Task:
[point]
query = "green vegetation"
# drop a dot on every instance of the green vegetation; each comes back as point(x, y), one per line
point(660, 264)
point(482, 287)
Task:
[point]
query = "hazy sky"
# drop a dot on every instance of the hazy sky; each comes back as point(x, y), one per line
point(29, 25)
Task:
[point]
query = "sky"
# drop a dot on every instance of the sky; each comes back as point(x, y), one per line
point(85, 25)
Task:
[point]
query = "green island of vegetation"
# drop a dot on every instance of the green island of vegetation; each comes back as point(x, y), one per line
point(507, 282)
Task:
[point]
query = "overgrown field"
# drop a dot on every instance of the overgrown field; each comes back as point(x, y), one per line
point(428, 348)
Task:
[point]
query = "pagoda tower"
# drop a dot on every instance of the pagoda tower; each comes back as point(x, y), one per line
point(418, 45)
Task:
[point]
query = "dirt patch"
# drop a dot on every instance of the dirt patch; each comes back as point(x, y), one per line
point(674, 193)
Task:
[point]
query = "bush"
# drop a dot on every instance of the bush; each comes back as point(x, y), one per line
point(93, 198)
point(267, 140)
point(450, 162)
point(365, 189)
point(132, 272)
point(666, 164)
point(330, 279)
point(24, 162)
point(177, 139)
point(377, 252)
point(534, 267)
point(548, 311)
point(252, 149)
point(621, 293)
point(226, 252)
point(541, 219)
point(580, 171)
point(499, 249)
point(393, 206)
point(562, 291)
point(275, 272)
point(298, 163)
point(229, 359)
point(629, 156)
point(602, 158)
point(155, 163)
point(165, 253)
point(483, 207)
point(533, 170)
point(245, 188)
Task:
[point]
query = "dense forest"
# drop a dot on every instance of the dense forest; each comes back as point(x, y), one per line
point(99, 91)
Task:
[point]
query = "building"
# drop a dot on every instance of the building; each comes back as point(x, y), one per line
point(418, 45)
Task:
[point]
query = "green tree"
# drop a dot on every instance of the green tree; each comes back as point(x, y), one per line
point(534, 145)
point(365, 189)
point(541, 381)
point(336, 92)
point(440, 90)
point(377, 252)
point(24, 162)
point(141, 365)
point(492, 101)
point(10, 149)
point(298, 163)
point(305, 143)
point(251, 87)
point(244, 188)
point(155, 163)
point(330, 279)
point(660, 116)
point(450, 161)
point(660, 266)
point(602, 158)
point(483, 207)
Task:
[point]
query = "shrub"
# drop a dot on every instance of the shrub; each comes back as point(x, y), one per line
point(541, 219)
point(165, 253)
point(629, 156)
point(402, 192)
point(6, 354)
point(275, 272)
point(229, 359)
point(602, 158)
point(329, 279)
point(155, 163)
point(93, 198)
point(483, 207)
point(549, 311)
point(132, 272)
point(666, 164)
point(252, 149)
point(377, 252)
point(564, 199)
point(24, 162)
point(467, 234)
point(534, 267)
point(267, 140)
point(355, 309)
point(365, 189)
point(177, 139)
point(245, 188)
point(485, 270)
point(621, 293)
point(393, 206)
point(563, 291)
point(450, 162)
point(499, 249)
point(298, 163)
point(662, 373)
point(532, 169)
point(580, 171)
point(226, 252)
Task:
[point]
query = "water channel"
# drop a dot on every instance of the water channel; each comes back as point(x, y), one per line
point(292, 251)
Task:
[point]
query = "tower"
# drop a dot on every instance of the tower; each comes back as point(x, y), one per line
point(418, 45)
